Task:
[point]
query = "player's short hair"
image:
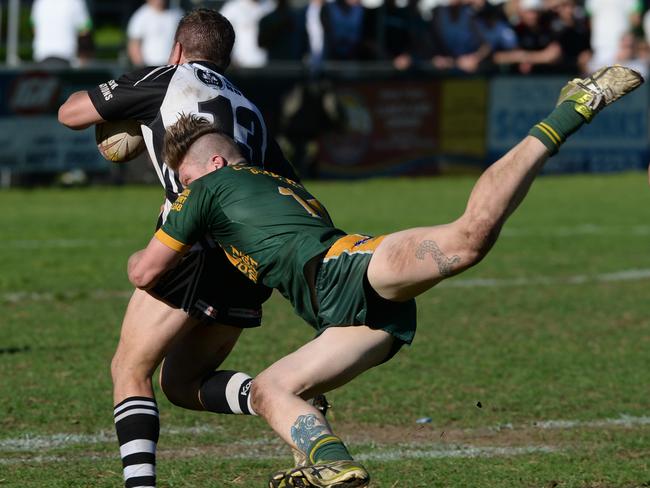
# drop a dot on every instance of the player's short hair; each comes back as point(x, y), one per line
point(188, 129)
point(205, 34)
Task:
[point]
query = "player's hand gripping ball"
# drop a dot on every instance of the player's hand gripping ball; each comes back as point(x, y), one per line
point(119, 141)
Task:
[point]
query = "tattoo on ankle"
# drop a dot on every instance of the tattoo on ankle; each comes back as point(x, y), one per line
point(445, 264)
point(306, 429)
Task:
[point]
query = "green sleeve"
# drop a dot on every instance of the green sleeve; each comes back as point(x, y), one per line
point(187, 221)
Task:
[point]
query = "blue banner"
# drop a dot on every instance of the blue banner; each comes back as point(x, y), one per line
point(31, 137)
point(616, 140)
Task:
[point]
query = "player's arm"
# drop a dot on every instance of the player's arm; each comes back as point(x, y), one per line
point(79, 112)
point(136, 95)
point(146, 266)
point(185, 225)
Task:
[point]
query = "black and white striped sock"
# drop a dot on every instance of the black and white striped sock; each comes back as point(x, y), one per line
point(227, 392)
point(138, 427)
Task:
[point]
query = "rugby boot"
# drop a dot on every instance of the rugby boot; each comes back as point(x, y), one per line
point(323, 474)
point(595, 92)
point(321, 403)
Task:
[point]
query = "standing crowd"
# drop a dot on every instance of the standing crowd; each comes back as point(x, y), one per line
point(456, 36)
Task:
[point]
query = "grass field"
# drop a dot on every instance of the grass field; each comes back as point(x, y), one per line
point(550, 335)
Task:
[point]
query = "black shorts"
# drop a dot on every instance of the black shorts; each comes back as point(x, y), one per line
point(210, 289)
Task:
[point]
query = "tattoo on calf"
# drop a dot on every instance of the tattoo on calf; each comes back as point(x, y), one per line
point(445, 264)
point(306, 429)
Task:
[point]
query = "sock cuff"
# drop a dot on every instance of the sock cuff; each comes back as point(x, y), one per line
point(135, 405)
point(321, 442)
point(227, 392)
point(547, 135)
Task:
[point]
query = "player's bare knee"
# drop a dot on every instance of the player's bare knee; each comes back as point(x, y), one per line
point(116, 367)
point(260, 395)
point(265, 388)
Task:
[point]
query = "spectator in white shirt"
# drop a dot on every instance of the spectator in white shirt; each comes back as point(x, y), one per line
point(151, 32)
point(245, 15)
point(57, 26)
point(610, 21)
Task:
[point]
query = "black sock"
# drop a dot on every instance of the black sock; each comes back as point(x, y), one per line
point(138, 427)
point(227, 392)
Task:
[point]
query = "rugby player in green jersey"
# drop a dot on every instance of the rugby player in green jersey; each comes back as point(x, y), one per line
point(356, 291)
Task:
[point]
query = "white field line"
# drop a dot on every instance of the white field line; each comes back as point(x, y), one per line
point(31, 244)
point(442, 452)
point(379, 453)
point(40, 443)
point(565, 231)
point(578, 230)
point(36, 296)
point(614, 277)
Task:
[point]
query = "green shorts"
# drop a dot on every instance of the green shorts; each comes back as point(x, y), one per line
point(345, 297)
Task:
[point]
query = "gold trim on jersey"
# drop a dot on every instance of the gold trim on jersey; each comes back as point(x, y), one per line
point(180, 200)
point(259, 171)
point(352, 244)
point(243, 262)
point(170, 242)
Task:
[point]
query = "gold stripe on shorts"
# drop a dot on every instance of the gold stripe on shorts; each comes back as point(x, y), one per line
point(353, 243)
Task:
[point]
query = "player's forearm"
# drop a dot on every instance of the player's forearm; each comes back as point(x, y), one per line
point(139, 276)
point(147, 266)
point(78, 112)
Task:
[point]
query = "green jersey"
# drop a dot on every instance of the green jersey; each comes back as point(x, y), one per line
point(269, 226)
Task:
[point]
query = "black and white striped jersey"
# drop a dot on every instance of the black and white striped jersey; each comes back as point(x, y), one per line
point(156, 96)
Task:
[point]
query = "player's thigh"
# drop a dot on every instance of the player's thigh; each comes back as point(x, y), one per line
point(331, 360)
point(409, 262)
point(198, 352)
point(149, 329)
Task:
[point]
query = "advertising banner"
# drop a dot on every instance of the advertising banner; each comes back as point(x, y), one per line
point(31, 137)
point(616, 140)
point(463, 120)
point(391, 128)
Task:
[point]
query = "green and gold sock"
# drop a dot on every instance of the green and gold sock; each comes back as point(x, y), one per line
point(328, 447)
point(560, 124)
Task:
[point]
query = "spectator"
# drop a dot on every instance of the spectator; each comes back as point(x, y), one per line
point(646, 26)
point(456, 37)
point(310, 111)
point(151, 33)
point(343, 24)
point(58, 27)
point(493, 26)
point(403, 36)
point(311, 34)
point(538, 50)
point(245, 15)
point(610, 20)
point(572, 32)
point(633, 53)
point(277, 33)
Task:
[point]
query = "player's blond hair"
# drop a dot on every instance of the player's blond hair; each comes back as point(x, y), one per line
point(188, 129)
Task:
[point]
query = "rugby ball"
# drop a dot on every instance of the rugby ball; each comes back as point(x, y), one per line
point(119, 141)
